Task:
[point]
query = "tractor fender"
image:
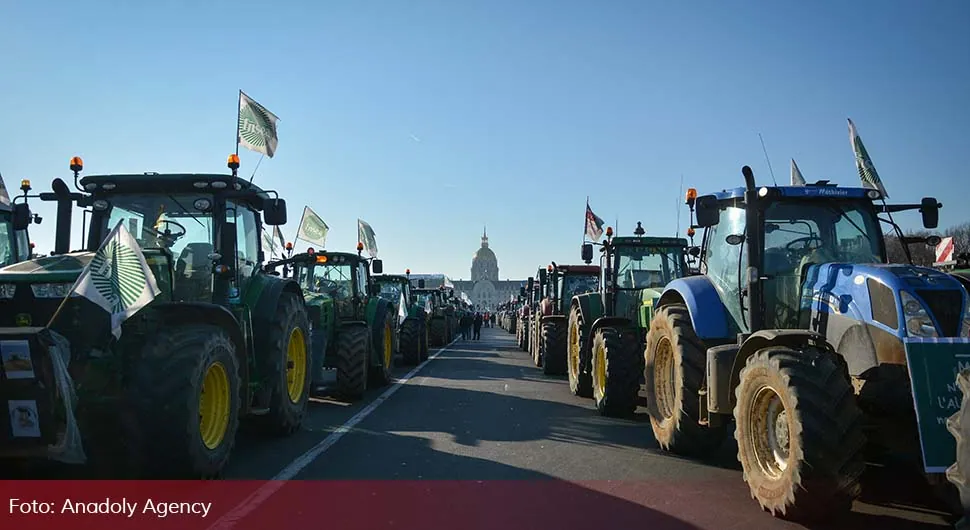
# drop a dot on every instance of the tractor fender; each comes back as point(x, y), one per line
point(184, 313)
point(795, 339)
point(553, 318)
point(604, 322)
point(707, 312)
point(264, 310)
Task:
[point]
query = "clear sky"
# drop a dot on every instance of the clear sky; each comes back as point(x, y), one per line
point(430, 119)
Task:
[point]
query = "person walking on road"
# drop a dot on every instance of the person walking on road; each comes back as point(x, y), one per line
point(478, 326)
point(492, 325)
point(466, 326)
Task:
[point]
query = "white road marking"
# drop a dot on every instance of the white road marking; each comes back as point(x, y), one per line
point(250, 503)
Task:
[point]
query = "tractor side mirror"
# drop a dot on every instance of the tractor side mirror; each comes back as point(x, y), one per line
point(934, 240)
point(274, 212)
point(377, 266)
point(21, 216)
point(530, 283)
point(931, 212)
point(420, 284)
point(707, 212)
point(542, 276)
point(694, 251)
point(587, 252)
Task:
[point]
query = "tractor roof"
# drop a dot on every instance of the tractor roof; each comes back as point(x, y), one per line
point(168, 183)
point(328, 258)
point(391, 277)
point(819, 190)
point(652, 241)
point(578, 269)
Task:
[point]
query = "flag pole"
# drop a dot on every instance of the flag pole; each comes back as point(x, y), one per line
point(586, 219)
point(239, 115)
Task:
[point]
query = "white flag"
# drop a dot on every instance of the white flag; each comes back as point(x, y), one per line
point(402, 311)
point(4, 196)
point(796, 176)
point(867, 171)
point(117, 278)
point(312, 228)
point(366, 236)
point(256, 129)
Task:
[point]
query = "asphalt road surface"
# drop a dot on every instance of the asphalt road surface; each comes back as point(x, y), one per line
point(480, 411)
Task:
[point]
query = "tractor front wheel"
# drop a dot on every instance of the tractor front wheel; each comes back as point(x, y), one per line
point(183, 403)
point(411, 342)
point(437, 332)
point(617, 366)
point(424, 339)
point(580, 380)
point(385, 353)
point(353, 361)
point(291, 366)
point(554, 348)
point(799, 433)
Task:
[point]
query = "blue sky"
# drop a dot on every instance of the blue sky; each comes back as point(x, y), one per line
point(430, 119)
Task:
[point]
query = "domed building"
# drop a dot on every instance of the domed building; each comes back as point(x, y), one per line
point(484, 289)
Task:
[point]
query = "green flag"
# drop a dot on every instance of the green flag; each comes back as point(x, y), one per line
point(867, 172)
point(366, 236)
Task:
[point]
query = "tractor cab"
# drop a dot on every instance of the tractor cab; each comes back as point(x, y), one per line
point(393, 286)
point(567, 281)
point(342, 276)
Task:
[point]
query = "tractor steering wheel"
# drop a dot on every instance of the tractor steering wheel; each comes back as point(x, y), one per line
point(167, 236)
point(324, 285)
point(806, 243)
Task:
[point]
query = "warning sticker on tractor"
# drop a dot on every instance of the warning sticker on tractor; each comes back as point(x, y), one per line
point(15, 356)
point(933, 368)
point(24, 419)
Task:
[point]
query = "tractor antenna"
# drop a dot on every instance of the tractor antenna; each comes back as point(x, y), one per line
point(679, 195)
point(763, 149)
point(258, 162)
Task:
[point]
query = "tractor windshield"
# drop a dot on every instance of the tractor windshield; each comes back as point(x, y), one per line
point(573, 285)
point(13, 243)
point(335, 280)
point(391, 290)
point(642, 267)
point(801, 233)
point(425, 300)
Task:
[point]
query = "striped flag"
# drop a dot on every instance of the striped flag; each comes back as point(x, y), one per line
point(867, 172)
point(796, 175)
point(594, 225)
point(944, 251)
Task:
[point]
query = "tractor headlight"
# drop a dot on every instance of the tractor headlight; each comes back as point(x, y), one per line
point(918, 321)
point(7, 290)
point(50, 290)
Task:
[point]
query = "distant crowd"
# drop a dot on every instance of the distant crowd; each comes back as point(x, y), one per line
point(472, 324)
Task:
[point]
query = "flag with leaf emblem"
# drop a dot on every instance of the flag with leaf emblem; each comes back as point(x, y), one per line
point(256, 129)
point(117, 278)
point(867, 172)
point(365, 235)
point(312, 228)
point(796, 175)
point(4, 196)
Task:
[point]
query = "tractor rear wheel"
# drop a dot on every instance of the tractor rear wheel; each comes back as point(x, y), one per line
point(381, 374)
point(674, 374)
point(411, 342)
point(353, 361)
point(958, 424)
point(424, 339)
point(183, 403)
point(535, 345)
point(290, 362)
point(580, 381)
point(799, 433)
point(554, 348)
point(617, 366)
point(437, 332)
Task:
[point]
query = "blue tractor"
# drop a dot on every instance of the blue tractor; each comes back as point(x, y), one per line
point(793, 332)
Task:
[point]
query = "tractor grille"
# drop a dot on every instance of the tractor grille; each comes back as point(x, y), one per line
point(23, 305)
point(946, 307)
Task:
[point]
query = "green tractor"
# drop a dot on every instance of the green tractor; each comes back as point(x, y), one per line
point(440, 331)
point(563, 282)
point(412, 326)
point(607, 329)
point(352, 327)
point(219, 342)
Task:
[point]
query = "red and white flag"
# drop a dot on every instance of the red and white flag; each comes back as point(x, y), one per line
point(944, 251)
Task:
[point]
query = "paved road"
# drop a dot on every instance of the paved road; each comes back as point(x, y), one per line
point(479, 410)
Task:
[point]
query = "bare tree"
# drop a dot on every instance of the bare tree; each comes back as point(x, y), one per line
point(923, 255)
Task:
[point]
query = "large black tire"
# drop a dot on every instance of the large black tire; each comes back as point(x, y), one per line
point(958, 474)
point(437, 332)
point(424, 339)
point(617, 366)
point(518, 337)
point(580, 380)
point(535, 345)
point(411, 342)
point(290, 363)
point(799, 433)
point(163, 414)
point(353, 361)
point(674, 370)
point(383, 370)
point(554, 347)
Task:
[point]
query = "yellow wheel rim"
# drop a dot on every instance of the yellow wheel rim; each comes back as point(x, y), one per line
point(214, 403)
point(388, 346)
point(599, 368)
point(296, 365)
point(574, 350)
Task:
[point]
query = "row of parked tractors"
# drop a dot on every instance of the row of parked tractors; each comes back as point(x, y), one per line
point(233, 336)
point(785, 327)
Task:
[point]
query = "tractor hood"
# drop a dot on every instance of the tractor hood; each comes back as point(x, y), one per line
point(874, 293)
point(64, 268)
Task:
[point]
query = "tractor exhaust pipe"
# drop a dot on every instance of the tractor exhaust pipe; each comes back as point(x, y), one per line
point(748, 178)
point(65, 212)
